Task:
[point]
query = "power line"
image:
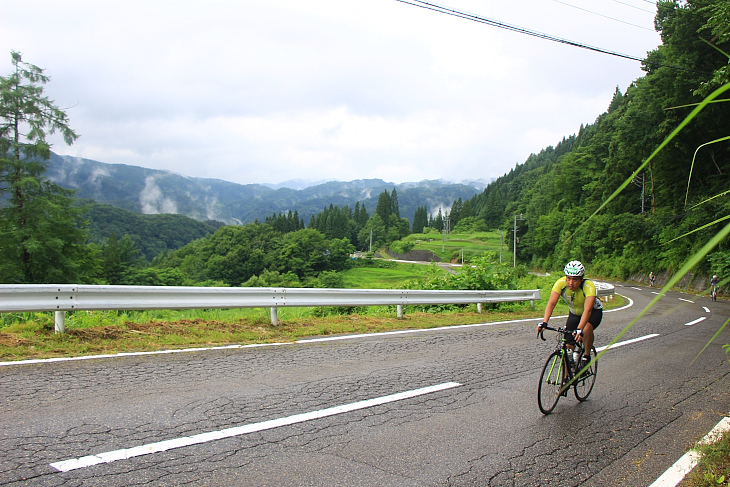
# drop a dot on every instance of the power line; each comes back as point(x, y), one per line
point(604, 16)
point(502, 25)
point(634, 6)
point(514, 28)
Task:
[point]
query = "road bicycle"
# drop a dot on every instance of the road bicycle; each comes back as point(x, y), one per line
point(560, 373)
point(713, 293)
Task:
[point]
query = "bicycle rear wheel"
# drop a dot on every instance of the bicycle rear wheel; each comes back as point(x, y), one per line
point(584, 383)
point(548, 390)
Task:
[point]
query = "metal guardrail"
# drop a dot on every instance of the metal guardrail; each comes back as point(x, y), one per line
point(69, 297)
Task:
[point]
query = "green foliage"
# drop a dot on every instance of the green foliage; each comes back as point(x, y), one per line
point(152, 235)
point(273, 279)
point(561, 188)
point(42, 235)
point(256, 255)
point(484, 273)
point(470, 224)
point(401, 246)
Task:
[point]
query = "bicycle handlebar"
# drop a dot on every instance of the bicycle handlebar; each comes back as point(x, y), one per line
point(559, 330)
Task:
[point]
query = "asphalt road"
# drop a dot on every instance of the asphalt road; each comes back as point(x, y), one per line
point(479, 425)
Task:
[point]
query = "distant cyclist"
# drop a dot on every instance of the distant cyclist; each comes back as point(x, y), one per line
point(585, 310)
point(652, 278)
point(713, 285)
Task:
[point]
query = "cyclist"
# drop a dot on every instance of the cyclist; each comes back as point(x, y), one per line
point(652, 278)
point(585, 310)
point(713, 283)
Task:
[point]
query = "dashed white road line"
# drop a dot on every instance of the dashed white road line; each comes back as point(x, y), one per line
point(707, 310)
point(686, 300)
point(111, 456)
point(676, 473)
point(633, 340)
point(696, 321)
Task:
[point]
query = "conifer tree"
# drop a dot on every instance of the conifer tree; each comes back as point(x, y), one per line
point(42, 235)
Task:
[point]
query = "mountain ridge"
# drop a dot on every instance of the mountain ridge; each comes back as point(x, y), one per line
point(153, 191)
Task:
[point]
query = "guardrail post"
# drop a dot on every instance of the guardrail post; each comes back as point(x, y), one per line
point(399, 307)
point(532, 303)
point(479, 307)
point(274, 317)
point(59, 322)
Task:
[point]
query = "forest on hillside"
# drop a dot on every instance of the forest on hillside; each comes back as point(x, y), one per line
point(682, 189)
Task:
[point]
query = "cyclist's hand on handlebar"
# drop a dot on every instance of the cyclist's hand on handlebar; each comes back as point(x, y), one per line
point(578, 335)
point(541, 326)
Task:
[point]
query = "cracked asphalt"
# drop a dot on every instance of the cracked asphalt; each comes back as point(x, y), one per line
point(650, 403)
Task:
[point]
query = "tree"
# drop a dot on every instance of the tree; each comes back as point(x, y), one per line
point(383, 209)
point(118, 258)
point(420, 219)
point(42, 235)
point(394, 204)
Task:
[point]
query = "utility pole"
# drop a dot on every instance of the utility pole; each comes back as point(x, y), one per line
point(641, 183)
point(501, 235)
point(514, 247)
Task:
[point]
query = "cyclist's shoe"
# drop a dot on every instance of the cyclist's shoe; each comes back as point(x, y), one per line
point(583, 362)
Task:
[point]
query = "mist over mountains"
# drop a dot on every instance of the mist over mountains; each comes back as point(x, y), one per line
point(151, 191)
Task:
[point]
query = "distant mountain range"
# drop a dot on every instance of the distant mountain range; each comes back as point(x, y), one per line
point(151, 191)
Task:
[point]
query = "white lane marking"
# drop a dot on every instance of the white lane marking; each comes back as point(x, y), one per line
point(630, 304)
point(111, 456)
point(633, 340)
point(255, 345)
point(676, 473)
point(637, 288)
point(310, 340)
point(686, 300)
point(403, 332)
point(696, 321)
point(707, 310)
point(654, 292)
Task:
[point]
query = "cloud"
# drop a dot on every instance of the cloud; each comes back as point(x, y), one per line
point(153, 201)
point(272, 91)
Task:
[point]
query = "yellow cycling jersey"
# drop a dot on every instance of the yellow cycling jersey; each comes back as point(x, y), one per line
point(576, 299)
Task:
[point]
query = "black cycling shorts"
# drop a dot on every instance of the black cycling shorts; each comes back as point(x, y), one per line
point(574, 320)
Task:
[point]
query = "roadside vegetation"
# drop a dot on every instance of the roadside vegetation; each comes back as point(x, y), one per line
point(713, 469)
point(31, 335)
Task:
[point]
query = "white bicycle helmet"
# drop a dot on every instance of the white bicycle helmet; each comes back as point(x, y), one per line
point(574, 268)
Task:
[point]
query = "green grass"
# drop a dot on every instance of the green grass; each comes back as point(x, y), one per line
point(31, 335)
point(384, 278)
point(472, 244)
point(713, 469)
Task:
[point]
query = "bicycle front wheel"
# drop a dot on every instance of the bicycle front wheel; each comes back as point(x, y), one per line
point(548, 390)
point(584, 382)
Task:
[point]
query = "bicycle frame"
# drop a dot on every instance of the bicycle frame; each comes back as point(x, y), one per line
point(557, 377)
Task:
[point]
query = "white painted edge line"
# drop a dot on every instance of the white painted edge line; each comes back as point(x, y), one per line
point(707, 310)
point(111, 456)
point(630, 304)
point(633, 340)
point(676, 473)
point(686, 300)
point(311, 340)
point(696, 321)
point(420, 330)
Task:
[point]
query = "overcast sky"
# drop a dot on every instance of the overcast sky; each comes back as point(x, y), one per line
point(268, 91)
